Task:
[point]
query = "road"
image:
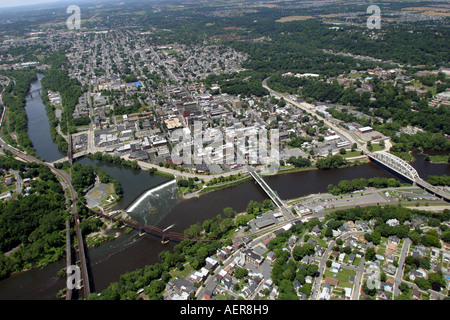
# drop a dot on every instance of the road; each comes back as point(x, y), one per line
point(401, 266)
point(322, 264)
point(310, 109)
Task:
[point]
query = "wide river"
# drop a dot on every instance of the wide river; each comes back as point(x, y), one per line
point(130, 251)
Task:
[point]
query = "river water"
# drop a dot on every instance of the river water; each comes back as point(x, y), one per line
point(130, 251)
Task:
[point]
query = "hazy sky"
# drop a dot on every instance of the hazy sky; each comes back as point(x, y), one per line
point(15, 3)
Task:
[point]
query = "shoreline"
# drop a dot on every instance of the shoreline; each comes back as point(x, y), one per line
point(198, 193)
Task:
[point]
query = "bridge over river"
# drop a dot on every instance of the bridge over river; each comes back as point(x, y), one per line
point(382, 158)
point(407, 171)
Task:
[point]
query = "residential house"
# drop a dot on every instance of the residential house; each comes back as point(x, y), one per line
point(292, 241)
point(394, 240)
point(392, 222)
point(348, 293)
point(332, 281)
point(414, 274)
point(179, 289)
point(222, 254)
point(351, 258)
point(227, 282)
point(207, 295)
point(199, 276)
point(382, 295)
point(319, 251)
point(390, 269)
point(335, 267)
point(325, 294)
point(419, 251)
point(313, 242)
point(251, 288)
point(302, 296)
point(316, 231)
point(211, 264)
point(334, 254)
point(297, 285)
point(271, 256)
point(307, 260)
point(387, 286)
point(274, 294)
point(268, 284)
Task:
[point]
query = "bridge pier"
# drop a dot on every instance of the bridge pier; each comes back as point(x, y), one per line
point(69, 151)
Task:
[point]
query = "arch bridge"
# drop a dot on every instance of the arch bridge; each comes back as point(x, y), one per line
point(407, 171)
point(396, 164)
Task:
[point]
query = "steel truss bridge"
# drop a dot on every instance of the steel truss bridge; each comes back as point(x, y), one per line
point(147, 229)
point(407, 171)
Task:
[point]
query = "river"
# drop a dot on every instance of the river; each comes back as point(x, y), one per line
point(38, 125)
point(130, 251)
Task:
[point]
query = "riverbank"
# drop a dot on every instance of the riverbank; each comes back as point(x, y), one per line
point(284, 170)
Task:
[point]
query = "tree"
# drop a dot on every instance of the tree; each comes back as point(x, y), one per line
point(376, 238)
point(446, 236)
point(331, 162)
point(300, 252)
point(436, 280)
point(240, 273)
point(423, 283)
point(370, 254)
point(404, 287)
point(369, 291)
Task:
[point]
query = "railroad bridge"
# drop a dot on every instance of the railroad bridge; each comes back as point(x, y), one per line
point(152, 230)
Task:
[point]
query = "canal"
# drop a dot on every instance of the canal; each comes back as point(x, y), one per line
point(130, 251)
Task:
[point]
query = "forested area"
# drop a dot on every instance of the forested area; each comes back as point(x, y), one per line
point(24, 53)
point(420, 140)
point(331, 162)
point(33, 224)
point(83, 177)
point(114, 159)
point(246, 83)
point(16, 120)
point(134, 108)
point(347, 186)
point(443, 180)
